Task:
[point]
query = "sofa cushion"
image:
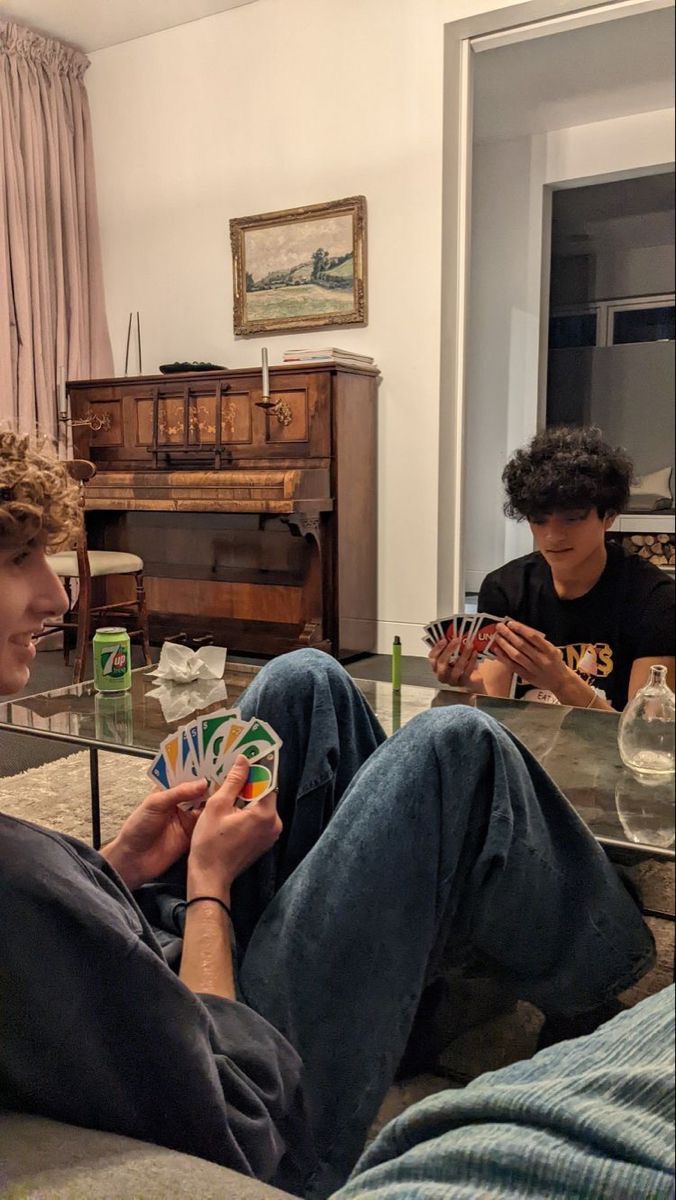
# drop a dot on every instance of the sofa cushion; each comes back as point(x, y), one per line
point(46, 1160)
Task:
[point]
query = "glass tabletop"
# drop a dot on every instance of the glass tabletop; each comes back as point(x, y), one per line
point(578, 749)
point(137, 721)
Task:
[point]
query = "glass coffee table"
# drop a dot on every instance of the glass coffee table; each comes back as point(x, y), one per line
point(136, 722)
point(577, 747)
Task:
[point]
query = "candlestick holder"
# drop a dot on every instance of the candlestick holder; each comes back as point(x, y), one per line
point(91, 420)
point(276, 408)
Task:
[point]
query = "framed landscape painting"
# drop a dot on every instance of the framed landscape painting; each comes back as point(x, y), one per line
point(303, 268)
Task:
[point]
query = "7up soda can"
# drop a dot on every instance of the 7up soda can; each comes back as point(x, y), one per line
point(112, 660)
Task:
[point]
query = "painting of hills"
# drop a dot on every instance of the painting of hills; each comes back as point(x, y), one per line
point(301, 267)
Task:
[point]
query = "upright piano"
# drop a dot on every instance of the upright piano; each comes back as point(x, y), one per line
point(256, 517)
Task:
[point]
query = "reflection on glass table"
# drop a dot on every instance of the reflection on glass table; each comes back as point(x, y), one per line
point(578, 748)
point(646, 808)
point(136, 721)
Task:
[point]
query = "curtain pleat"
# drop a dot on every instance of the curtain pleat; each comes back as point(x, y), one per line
point(52, 308)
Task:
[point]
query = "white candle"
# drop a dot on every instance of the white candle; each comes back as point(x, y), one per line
point(266, 374)
point(62, 400)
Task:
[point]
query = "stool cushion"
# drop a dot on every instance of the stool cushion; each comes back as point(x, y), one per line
point(101, 562)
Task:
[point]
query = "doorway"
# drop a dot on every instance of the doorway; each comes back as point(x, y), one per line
point(560, 102)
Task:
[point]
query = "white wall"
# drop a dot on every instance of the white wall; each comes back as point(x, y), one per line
point(283, 103)
point(277, 104)
point(625, 146)
point(614, 269)
point(509, 277)
point(502, 379)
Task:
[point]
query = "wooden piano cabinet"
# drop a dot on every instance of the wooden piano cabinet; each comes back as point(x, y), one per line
point(257, 525)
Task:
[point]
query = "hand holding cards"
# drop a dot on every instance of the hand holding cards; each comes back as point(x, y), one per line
point(473, 632)
point(207, 747)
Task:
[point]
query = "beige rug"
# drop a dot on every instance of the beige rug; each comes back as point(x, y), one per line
point(57, 794)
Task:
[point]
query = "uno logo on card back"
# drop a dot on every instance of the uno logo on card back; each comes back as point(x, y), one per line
point(257, 783)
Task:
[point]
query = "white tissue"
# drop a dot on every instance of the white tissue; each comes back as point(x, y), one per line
point(179, 700)
point(178, 664)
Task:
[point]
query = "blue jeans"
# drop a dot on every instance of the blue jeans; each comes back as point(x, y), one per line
point(446, 843)
point(589, 1119)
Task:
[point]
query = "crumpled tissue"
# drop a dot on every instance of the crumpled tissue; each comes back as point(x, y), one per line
point(181, 665)
point(188, 680)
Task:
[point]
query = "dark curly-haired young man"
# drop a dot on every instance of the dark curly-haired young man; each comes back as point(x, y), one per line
point(586, 619)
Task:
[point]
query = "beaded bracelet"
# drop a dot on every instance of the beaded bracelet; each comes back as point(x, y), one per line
point(213, 899)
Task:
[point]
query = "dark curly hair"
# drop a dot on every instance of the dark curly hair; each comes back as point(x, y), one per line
point(38, 499)
point(563, 469)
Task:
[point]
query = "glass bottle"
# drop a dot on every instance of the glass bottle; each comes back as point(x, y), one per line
point(645, 734)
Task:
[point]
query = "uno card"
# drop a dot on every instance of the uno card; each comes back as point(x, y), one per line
point(188, 763)
point(257, 740)
point(262, 778)
point(449, 626)
point(193, 730)
point(222, 757)
point(170, 749)
point(483, 633)
point(454, 628)
point(158, 771)
point(213, 729)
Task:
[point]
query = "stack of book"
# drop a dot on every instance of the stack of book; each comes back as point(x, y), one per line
point(328, 354)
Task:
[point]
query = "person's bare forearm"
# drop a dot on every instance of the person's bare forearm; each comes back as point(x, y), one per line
point(494, 679)
point(114, 854)
point(206, 961)
point(574, 691)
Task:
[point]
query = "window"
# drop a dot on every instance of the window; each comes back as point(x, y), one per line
point(572, 330)
point(637, 322)
point(613, 323)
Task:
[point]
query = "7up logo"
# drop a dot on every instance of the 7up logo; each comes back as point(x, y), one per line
point(114, 662)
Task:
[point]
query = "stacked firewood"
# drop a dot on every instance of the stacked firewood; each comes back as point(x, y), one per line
point(658, 548)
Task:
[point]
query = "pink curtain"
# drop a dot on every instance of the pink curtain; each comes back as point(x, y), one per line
point(52, 311)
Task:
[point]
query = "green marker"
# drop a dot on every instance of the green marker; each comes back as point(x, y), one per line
point(396, 710)
point(396, 664)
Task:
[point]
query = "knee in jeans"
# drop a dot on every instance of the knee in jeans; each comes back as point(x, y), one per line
point(455, 724)
point(297, 666)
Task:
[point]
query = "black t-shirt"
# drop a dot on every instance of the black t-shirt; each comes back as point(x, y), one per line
point(628, 614)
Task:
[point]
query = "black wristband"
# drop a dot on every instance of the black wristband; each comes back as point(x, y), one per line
point(213, 899)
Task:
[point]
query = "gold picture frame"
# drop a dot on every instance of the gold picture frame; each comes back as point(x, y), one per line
point(300, 268)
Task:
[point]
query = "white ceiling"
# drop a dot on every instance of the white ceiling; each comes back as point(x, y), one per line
point(95, 24)
point(592, 74)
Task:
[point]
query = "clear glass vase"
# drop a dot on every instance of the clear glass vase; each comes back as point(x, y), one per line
point(645, 734)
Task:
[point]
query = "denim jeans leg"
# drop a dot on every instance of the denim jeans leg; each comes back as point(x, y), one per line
point(451, 838)
point(328, 731)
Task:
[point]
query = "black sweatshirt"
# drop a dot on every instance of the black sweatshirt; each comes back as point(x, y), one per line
point(96, 1030)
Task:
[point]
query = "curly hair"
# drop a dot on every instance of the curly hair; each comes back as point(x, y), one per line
point(39, 503)
point(563, 469)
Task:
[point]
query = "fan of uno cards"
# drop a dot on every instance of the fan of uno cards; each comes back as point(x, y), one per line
point(207, 747)
point(477, 629)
